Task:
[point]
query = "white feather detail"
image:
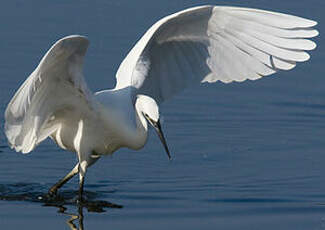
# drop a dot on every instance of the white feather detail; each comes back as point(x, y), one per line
point(56, 83)
point(214, 43)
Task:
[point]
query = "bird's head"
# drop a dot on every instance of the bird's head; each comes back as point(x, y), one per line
point(148, 111)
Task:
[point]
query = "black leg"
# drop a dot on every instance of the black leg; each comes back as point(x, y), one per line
point(53, 190)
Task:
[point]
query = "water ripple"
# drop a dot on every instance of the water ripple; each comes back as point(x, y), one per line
point(32, 192)
point(254, 200)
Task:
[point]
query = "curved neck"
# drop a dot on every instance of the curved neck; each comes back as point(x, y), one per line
point(141, 132)
point(120, 113)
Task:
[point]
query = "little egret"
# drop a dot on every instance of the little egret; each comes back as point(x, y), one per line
point(199, 44)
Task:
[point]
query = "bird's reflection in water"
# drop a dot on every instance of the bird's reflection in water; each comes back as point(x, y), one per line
point(73, 218)
point(75, 222)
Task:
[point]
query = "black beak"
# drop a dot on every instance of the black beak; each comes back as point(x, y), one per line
point(157, 127)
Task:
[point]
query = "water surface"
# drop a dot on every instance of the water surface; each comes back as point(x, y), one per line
point(246, 155)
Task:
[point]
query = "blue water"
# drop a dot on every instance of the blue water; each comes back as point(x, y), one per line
point(246, 155)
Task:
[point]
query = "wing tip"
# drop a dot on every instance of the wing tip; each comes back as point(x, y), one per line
point(77, 44)
point(74, 37)
point(312, 46)
point(73, 43)
point(311, 23)
point(303, 22)
point(316, 33)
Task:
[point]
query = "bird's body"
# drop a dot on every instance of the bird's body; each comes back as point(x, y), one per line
point(77, 129)
point(111, 123)
point(200, 44)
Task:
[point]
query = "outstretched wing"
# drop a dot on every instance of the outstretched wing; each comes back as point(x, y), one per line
point(57, 83)
point(214, 43)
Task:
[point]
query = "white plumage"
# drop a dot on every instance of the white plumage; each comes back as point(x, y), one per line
point(200, 44)
point(207, 44)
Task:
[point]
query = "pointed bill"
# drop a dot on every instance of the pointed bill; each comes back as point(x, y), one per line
point(157, 127)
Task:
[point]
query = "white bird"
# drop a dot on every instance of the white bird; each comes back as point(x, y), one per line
point(200, 44)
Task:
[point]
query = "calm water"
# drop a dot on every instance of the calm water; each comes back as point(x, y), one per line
point(247, 156)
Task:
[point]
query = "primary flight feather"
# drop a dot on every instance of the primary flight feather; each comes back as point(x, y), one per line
point(200, 44)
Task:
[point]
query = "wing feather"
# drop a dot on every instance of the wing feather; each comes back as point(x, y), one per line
point(56, 83)
point(274, 19)
point(214, 43)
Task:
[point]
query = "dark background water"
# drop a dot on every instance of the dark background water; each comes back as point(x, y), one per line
point(247, 155)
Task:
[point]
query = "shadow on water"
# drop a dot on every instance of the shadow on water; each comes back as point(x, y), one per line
point(37, 193)
point(2, 147)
